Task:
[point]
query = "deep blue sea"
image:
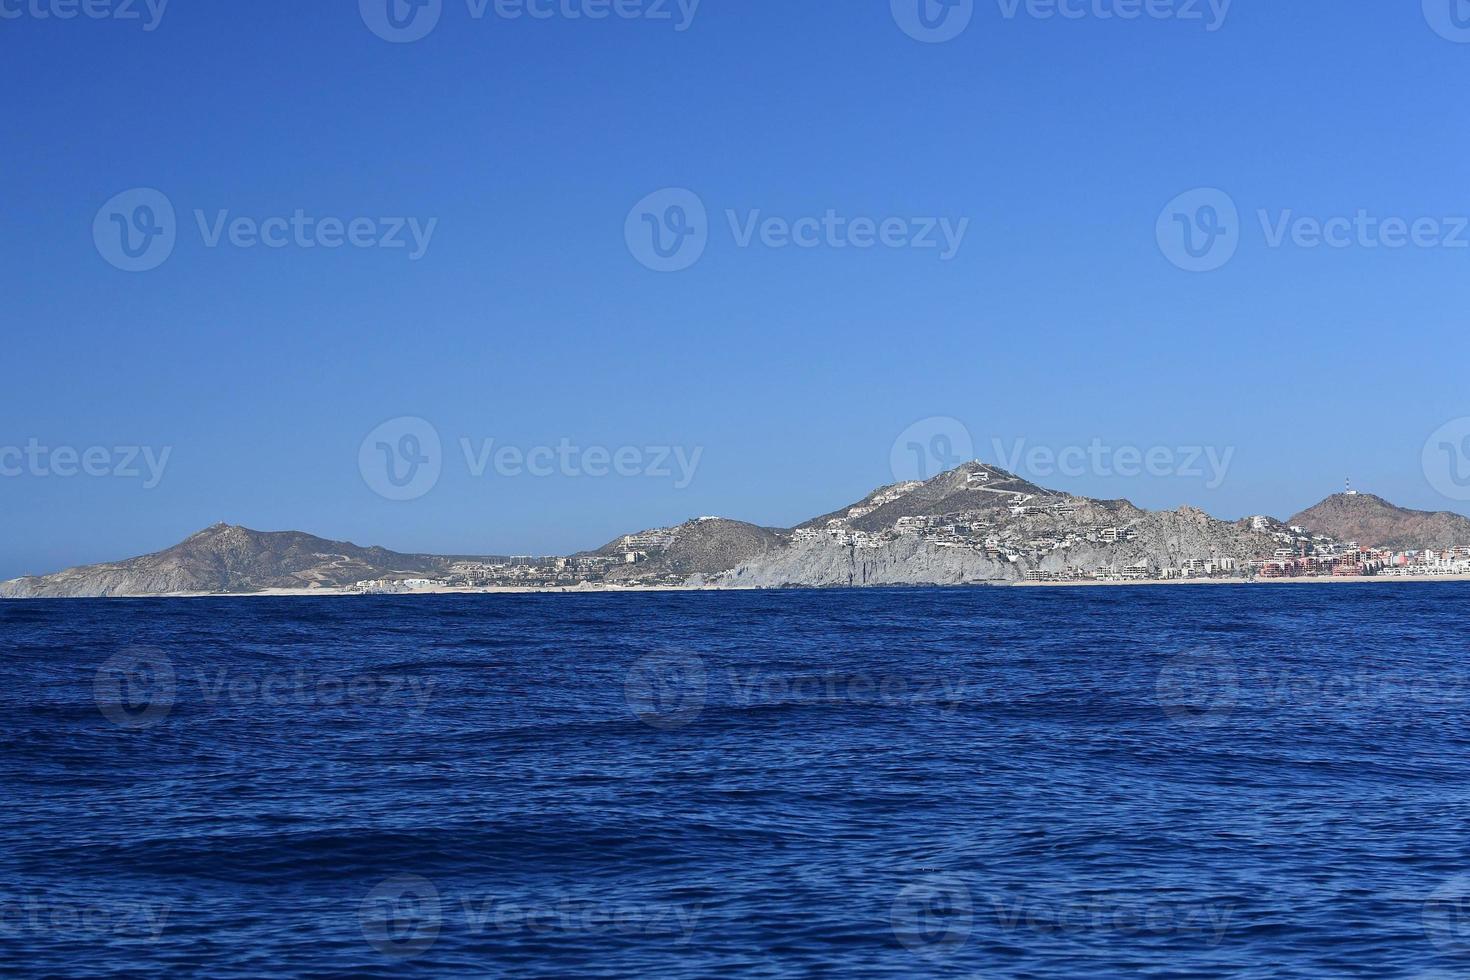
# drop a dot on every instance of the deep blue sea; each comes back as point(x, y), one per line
point(1255, 781)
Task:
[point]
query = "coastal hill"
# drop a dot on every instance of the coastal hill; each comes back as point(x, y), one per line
point(701, 547)
point(976, 523)
point(979, 523)
point(1373, 521)
point(225, 558)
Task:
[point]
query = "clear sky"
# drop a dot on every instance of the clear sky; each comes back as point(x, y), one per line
point(1059, 312)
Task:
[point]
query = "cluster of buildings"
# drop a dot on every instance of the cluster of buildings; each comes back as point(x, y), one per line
point(393, 586)
point(1356, 561)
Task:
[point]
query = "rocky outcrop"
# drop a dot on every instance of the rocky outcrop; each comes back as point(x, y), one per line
point(1167, 539)
point(907, 560)
point(1375, 523)
point(703, 548)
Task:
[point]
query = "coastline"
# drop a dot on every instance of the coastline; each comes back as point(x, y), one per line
point(633, 589)
point(1297, 580)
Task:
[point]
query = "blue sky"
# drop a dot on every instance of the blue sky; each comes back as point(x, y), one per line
point(523, 146)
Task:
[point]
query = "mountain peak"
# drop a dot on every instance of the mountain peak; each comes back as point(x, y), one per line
point(1374, 522)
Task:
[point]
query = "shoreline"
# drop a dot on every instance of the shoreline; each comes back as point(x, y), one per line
point(634, 589)
point(1294, 580)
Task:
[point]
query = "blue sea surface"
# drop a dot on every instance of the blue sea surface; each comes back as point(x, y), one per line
point(1252, 781)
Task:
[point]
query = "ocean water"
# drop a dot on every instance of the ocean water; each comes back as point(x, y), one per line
point(1255, 781)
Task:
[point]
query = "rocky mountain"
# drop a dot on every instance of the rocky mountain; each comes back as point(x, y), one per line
point(971, 487)
point(699, 548)
point(978, 523)
point(224, 558)
point(973, 524)
point(1374, 522)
